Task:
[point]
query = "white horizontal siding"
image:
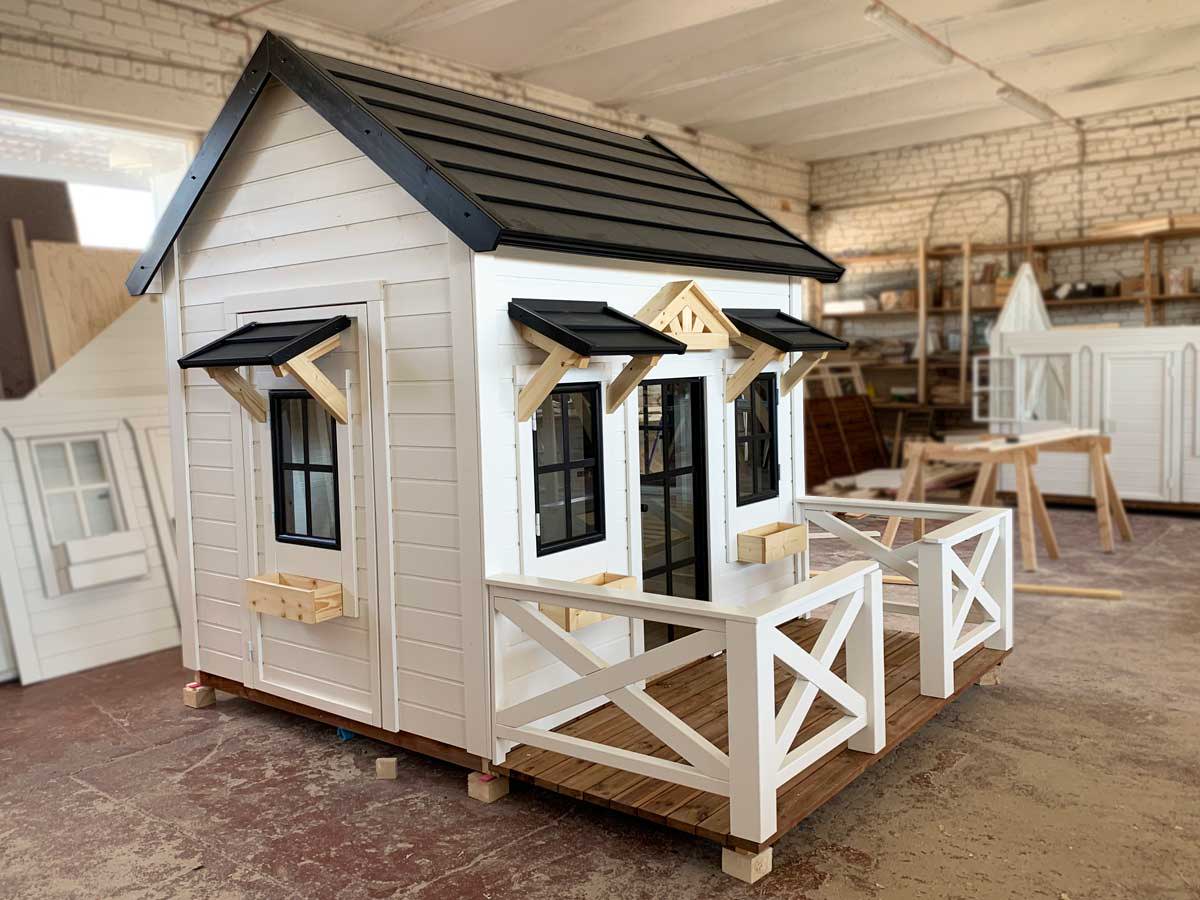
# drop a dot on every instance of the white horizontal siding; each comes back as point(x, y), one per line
point(295, 205)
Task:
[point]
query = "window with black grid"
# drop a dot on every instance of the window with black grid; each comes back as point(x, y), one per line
point(568, 470)
point(756, 444)
point(304, 452)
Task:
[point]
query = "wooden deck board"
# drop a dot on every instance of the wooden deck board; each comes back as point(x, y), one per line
point(697, 694)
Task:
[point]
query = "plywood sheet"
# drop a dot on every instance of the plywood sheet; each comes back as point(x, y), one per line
point(82, 290)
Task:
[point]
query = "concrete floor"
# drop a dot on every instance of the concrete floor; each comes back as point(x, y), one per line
point(1078, 777)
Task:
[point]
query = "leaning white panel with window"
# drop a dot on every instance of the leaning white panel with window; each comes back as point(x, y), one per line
point(85, 527)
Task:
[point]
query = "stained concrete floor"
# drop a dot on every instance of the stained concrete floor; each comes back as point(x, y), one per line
point(1078, 777)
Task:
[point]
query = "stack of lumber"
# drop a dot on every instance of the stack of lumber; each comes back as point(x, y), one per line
point(1147, 227)
point(943, 482)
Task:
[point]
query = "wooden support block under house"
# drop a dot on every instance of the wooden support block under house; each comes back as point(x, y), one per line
point(485, 787)
point(198, 696)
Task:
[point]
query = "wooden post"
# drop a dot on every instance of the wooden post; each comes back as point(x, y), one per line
point(915, 454)
point(1147, 277)
point(998, 581)
point(922, 319)
point(1025, 511)
point(1100, 490)
point(1114, 499)
point(753, 766)
point(964, 324)
point(864, 665)
point(934, 620)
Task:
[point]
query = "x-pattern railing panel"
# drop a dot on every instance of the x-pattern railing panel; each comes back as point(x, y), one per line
point(960, 604)
point(814, 672)
point(616, 682)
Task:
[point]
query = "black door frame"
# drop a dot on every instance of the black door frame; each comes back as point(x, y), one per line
point(699, 472)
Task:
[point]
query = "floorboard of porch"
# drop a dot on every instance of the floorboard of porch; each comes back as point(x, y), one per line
point(696, 693)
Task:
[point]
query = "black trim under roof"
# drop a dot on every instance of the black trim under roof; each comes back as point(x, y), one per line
point(494, 173)
point(781, 331)
point(264, 343)
point(593, 328)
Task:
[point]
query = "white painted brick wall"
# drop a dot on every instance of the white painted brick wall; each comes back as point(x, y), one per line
point(1137, 163)
point(164, 61)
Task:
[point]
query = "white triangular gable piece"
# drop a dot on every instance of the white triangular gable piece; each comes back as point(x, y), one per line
point(1024, 309)
point(684, 311)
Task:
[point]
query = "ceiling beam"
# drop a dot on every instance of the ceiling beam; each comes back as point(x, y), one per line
point(1094, 101)
point(434, 15)
point(634, 21)
point(1104, 35)
point(1055, 79)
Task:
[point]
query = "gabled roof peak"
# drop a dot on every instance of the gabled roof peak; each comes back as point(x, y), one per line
point(494, 173)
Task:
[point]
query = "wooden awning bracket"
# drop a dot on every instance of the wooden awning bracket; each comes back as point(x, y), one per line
point(761, 356)
point(628, 379)
point(796, 372)
point(684, 311)
point(558, 360)
point(241, 390)
point(303, 368)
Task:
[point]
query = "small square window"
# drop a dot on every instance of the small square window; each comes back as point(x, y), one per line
point(77, 490)
point(568, 469)
point(304, 455)
point(755, 442)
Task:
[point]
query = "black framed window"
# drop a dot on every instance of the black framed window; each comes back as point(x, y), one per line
point(755, 441)
point(568, 468)
point(304, 458)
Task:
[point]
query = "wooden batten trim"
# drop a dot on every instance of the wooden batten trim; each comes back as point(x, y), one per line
point(548, 375)
point(628, 379)
point(241, 390)
point(800, 368)
point(763, 356)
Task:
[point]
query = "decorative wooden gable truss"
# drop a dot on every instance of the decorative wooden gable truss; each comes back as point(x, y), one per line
point(289, 348)
point(770, 336)
point(682, 310)
point(572, 332)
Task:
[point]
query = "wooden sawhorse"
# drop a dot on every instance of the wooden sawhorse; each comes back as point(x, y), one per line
point(1031, 506)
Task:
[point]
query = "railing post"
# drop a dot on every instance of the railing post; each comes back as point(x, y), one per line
point(864, 664)
point(998, 580)
point(753, 765)
point(500, 746)
point(934, 593)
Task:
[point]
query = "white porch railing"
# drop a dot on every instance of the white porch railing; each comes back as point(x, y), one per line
point(960, 604)
point(760, 755)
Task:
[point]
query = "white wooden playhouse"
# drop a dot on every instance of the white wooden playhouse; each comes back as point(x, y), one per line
point(467, 394)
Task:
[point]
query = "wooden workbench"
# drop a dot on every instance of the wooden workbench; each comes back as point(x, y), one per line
point(1022, 455)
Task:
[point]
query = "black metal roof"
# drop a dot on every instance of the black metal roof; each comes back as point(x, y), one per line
point(264, 343)
point(781, 331)
point(494, 173)
point(593, 328)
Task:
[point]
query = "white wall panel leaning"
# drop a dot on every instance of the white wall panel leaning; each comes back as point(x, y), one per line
point(87, 561)
point(451, 383)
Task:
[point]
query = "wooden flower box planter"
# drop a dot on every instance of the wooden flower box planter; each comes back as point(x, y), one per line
point(767, 543)
point(295, 597)
point(574, 619)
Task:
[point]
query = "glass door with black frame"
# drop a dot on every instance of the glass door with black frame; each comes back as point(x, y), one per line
point(674, 502)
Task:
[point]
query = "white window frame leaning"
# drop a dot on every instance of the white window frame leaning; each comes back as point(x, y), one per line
point(25, 438)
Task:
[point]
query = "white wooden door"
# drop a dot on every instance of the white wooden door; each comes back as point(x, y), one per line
point(1137, 409)
point(333, 665)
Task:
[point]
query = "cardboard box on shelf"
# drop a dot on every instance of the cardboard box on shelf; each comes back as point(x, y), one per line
point(1135, 286)
point(889, 300)
point(1179, 280)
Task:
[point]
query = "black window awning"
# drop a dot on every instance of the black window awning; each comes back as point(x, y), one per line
point(783, 332)
point(592, 328)
point(264, 343)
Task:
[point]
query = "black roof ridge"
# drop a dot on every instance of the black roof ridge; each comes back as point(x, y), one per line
point(483, 222)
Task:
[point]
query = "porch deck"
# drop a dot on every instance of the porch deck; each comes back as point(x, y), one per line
point(697, 694)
